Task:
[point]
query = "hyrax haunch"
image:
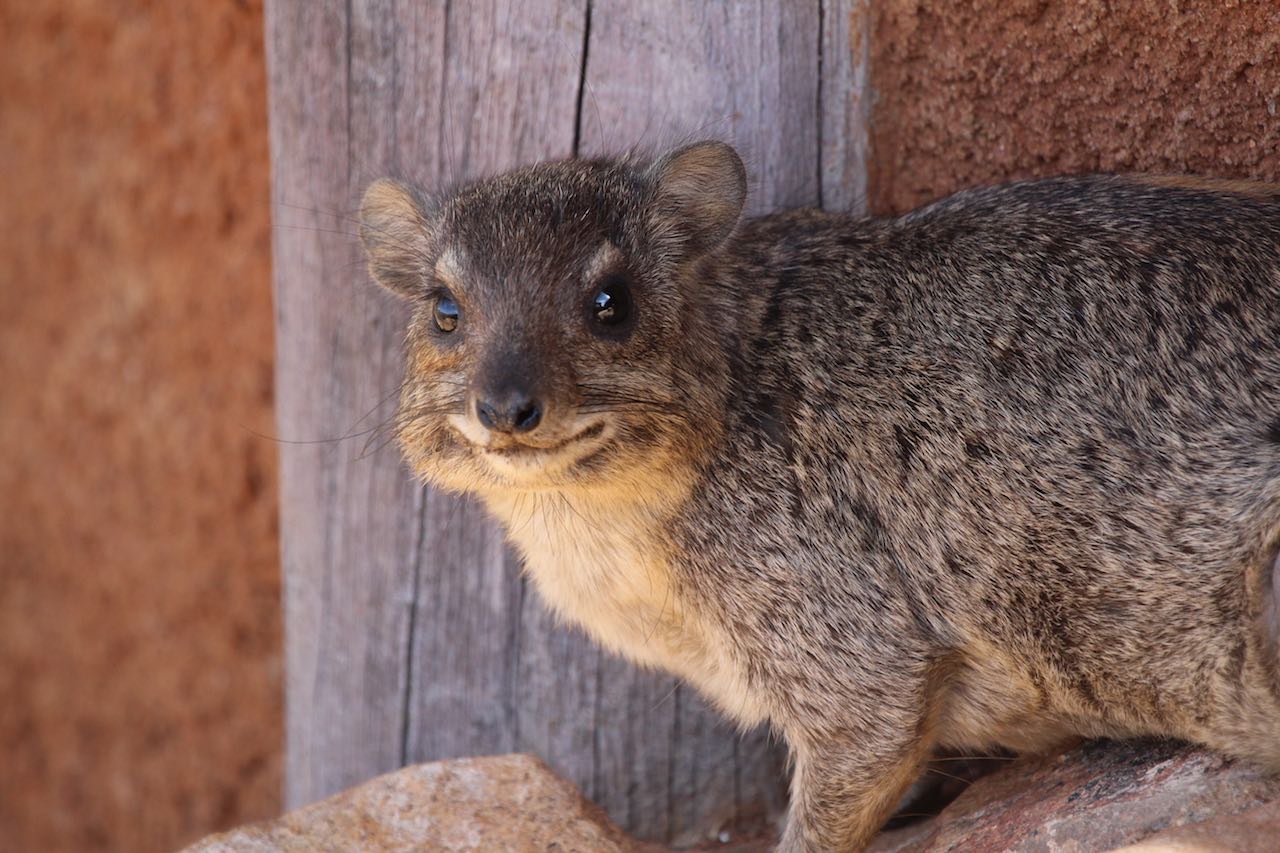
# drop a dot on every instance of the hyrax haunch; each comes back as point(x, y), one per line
point(1004, 471)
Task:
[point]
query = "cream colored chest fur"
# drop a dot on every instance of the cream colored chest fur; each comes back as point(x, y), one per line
point(601, 567)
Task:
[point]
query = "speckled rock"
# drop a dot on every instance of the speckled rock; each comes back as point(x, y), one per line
point(1254, 831)
point(1098, 797)
point(509, 802)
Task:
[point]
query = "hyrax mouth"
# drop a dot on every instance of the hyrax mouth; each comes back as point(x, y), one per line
point(518, 449)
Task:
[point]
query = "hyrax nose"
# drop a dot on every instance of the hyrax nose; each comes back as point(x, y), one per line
point(513, 412)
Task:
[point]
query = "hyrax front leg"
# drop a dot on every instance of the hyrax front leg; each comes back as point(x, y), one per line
point(845, 788)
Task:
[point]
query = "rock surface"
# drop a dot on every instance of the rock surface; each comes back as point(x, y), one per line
point(1154, 796)
point(1100, 797)
point(1254, 831)
point(510, 802)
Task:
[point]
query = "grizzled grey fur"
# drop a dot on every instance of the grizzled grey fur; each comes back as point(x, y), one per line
point(1004, 471)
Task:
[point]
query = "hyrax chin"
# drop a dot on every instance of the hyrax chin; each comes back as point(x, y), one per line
point(1002, 471)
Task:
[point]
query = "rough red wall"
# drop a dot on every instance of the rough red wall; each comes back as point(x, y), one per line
point(139, 602)
point(987, 90)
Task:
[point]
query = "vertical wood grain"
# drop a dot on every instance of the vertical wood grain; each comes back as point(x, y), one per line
point(345, 551)
point(410, 635)
point(660, 73)
point(845, 104)
point(398, 601)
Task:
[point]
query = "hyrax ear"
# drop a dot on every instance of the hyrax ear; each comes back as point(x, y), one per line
point(397, 230)
point(700, 191)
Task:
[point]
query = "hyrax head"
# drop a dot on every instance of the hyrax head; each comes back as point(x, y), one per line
point(558, 333)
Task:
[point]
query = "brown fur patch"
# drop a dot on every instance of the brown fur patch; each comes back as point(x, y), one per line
point(1253, 189)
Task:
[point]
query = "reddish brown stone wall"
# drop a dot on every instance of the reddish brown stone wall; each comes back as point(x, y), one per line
point(987, 90)
point(140, 699)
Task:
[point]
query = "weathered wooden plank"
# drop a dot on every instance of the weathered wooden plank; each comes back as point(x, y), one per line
point(746, 72)
point(660, 73)
point(399, 603)
point(510, 85)
point(346, 561)
point(845, 103)
point(409, 633)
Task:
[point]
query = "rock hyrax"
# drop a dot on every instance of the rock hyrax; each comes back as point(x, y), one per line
point(1003, 471)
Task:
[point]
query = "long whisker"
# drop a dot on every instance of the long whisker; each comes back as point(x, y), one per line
point(406, 416)
point(350, 434)
point(347, 217)
point(408, 248)
point(946, 775)
point(391, 238)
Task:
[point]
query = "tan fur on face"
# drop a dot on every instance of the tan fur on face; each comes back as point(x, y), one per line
point(450, 268)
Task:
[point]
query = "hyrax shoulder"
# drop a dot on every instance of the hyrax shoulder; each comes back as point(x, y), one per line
point(1004, 470)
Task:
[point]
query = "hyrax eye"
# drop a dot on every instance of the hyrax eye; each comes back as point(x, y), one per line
point(446, 313)
point(612, 303)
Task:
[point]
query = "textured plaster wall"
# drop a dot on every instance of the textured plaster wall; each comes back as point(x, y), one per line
point(988, 90)
point(140, 699)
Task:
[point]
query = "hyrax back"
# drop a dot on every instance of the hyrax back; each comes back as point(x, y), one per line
point(1003, 471)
